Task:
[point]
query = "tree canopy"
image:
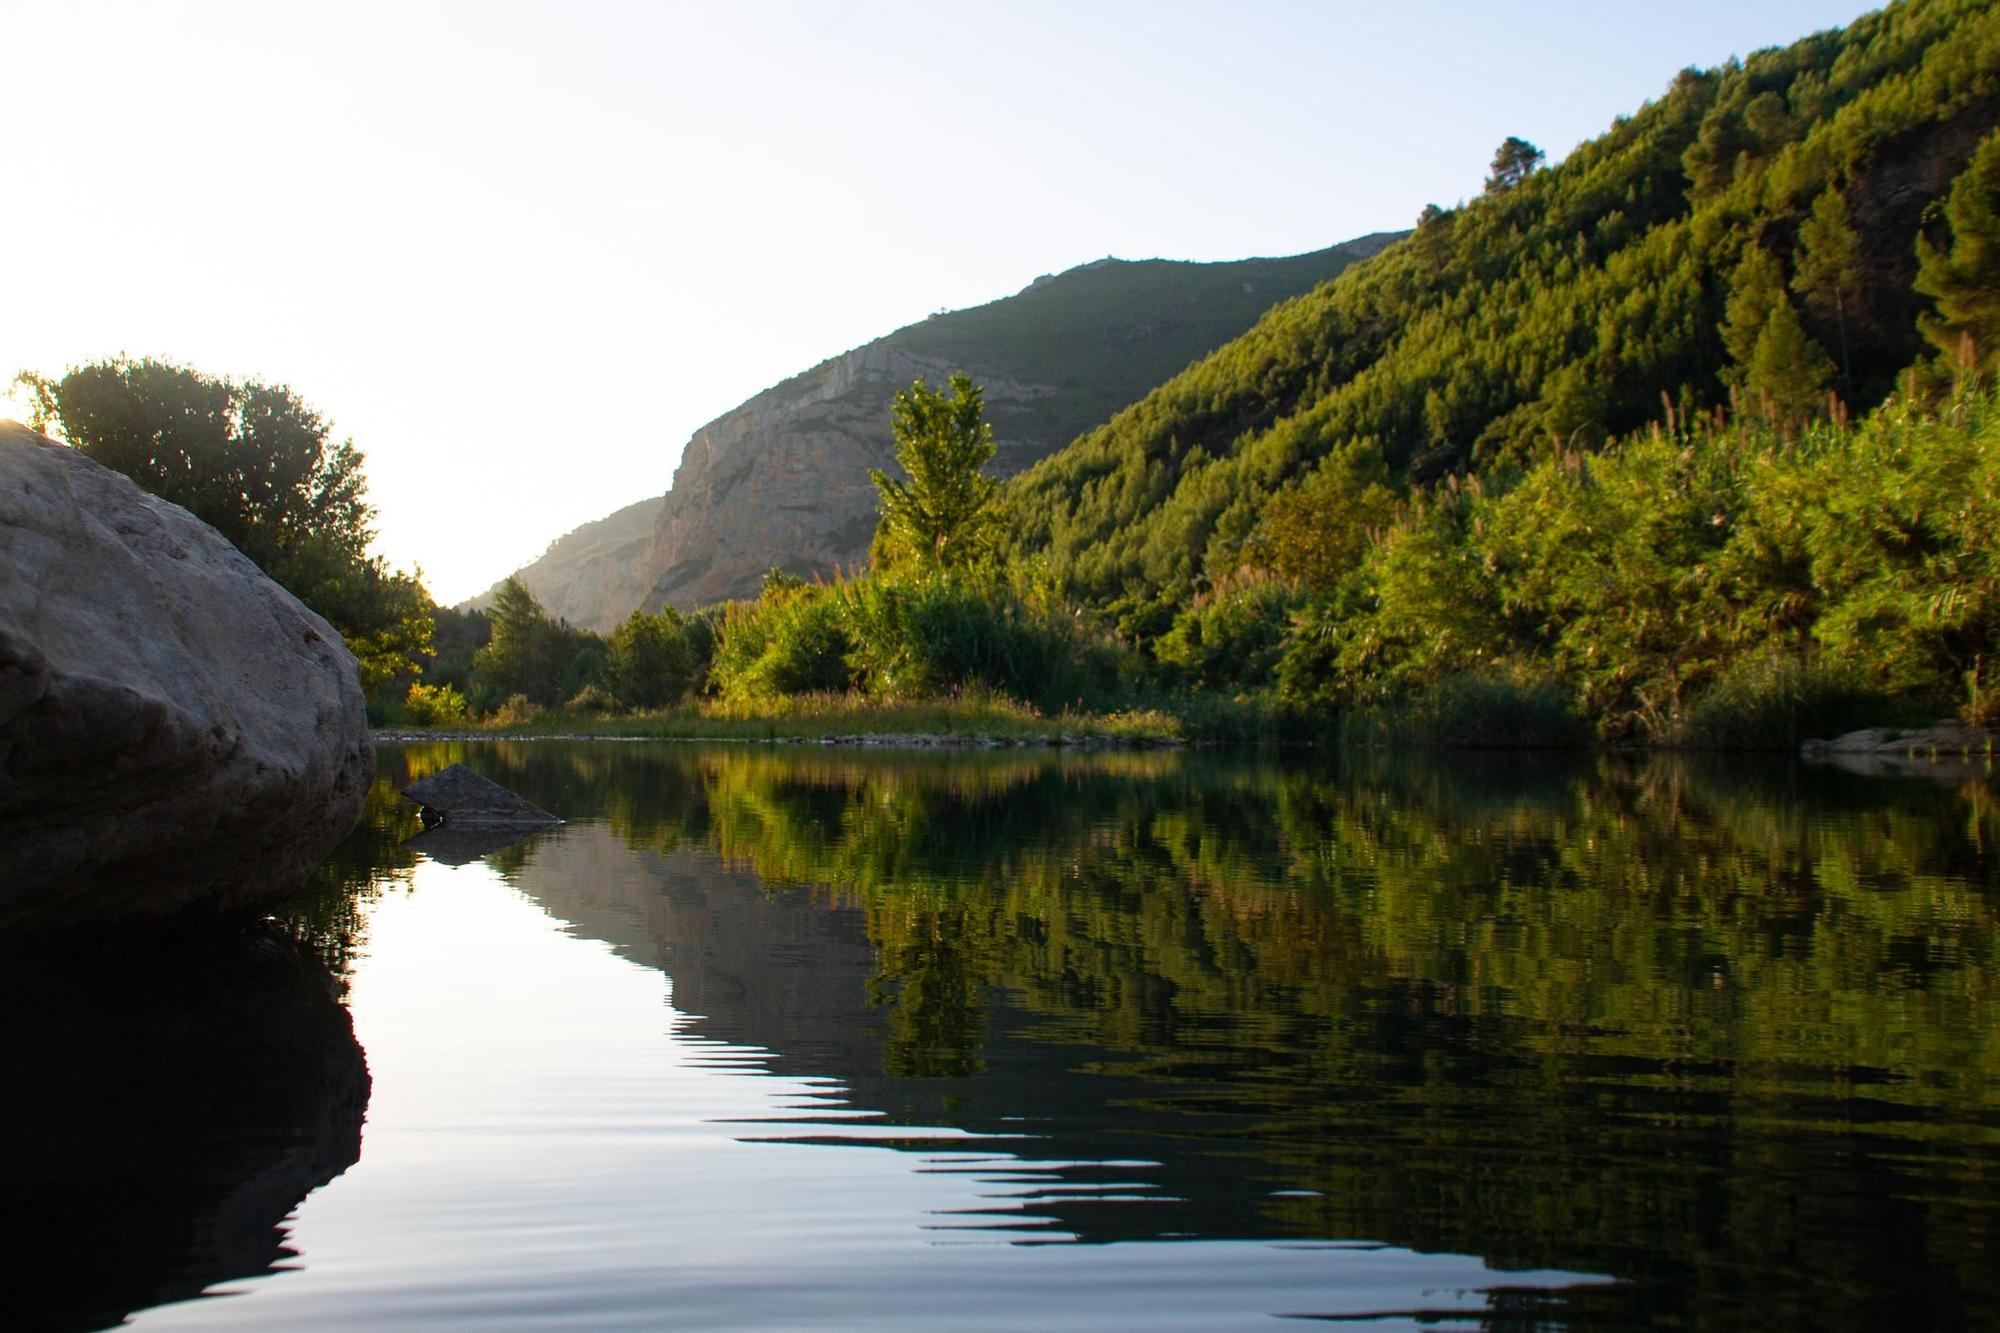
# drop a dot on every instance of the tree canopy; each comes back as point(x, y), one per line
point(944, 514)
point(256, 463)
point(1513, 162)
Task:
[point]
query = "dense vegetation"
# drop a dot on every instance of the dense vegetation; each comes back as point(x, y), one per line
point(1774, 240)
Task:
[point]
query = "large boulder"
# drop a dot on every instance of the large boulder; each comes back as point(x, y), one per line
point(178, 734)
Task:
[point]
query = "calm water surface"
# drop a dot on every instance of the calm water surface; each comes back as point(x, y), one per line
point(802, 1038)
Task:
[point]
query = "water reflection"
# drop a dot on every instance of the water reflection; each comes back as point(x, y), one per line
point(162, 1115)
point(1727, 1034)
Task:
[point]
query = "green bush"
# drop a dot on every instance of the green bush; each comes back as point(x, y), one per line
point(789, 641)
point(1475, 710)
point(1232, 636)
point(1774, 701)
point(518, 710)
point(929, 632)
point(433, 705)
point(593, 699)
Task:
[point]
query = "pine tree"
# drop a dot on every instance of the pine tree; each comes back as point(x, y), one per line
point(1829, 268)
point(1788, 365)
point(1756, 288)
point(1964, 283)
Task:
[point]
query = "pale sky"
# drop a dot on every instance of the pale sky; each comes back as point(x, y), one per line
point(519, 252)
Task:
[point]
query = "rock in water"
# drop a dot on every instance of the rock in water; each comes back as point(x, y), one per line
point(178, 734)
point(468, 801)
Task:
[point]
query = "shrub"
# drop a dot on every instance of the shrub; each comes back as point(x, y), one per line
point(518, 710)
point(433, 705)
point(917, 633)
point(788, 641)
point(1773, 701)
point(1474, 710)
point(1232, 635)
point(593, 699)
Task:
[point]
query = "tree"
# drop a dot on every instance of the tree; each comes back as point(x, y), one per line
point(255, 463)
point(1829, 267)
point(1514, 161)
point(944, 515)
point(1756, 288)
point(649, 661)
point(1964, 282)
point(1788, 365)
point(529, 653)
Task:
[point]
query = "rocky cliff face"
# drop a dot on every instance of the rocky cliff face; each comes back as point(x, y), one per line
point(597, 574)
point(783, 480)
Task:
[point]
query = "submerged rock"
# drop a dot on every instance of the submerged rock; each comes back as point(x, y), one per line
point(178, 734)
point(468, 801)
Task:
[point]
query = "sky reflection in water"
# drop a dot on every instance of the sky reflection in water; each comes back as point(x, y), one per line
point(784, 1039)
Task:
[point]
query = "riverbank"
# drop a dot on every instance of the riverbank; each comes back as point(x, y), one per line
point(835, 720)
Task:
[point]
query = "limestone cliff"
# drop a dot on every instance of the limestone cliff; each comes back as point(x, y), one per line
point(595, 575)
point(783, 479)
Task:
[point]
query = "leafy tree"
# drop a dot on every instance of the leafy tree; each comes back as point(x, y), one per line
point(944, 515)
point(1314, 533)
point(1964, 283)
point(255, 463)
point(544, 660)
point(1514, 161)
point(649, 660)
point(1828, 273)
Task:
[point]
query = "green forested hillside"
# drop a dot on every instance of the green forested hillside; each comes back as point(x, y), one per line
point(1752, 232)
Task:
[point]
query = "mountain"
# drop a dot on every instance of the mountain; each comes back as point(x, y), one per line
point(782, 480)
point(1785, 191)
point(588, 573)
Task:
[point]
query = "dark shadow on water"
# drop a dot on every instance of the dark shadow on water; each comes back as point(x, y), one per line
point(162, 1116)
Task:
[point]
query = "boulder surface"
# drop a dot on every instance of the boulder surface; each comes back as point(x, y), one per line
point(178, 734)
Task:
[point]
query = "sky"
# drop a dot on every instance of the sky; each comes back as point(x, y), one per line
point(520, 252)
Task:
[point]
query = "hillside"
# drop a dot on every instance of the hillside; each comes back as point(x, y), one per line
point(782, 480)
point(598, 566)
point(1561, 311)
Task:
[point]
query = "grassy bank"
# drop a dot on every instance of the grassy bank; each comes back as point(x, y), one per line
point(812, 717)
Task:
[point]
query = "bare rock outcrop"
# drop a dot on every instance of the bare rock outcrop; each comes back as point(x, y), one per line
point(783, 479)
point(178, 734)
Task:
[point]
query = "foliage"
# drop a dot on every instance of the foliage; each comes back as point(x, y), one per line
point(435, 705)
point(1230, 638)
point(1473, 710)
point(1515, 161)
point(789, 641)
point(592, 699)
point(656, 660)
point(1722, 583)
point(517, 710)
point(1555, 314)
point(935, 631)
point(1775, 700)
point(1963, 282)
point(530, 654)
point(944, 515)
point(255, 463)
